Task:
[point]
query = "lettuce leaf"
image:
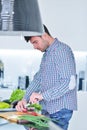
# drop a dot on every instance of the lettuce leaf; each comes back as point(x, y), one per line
point(17, 95)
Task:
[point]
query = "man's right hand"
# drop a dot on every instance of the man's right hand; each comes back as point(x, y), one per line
point(21, 105)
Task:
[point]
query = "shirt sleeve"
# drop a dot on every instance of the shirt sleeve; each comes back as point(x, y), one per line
point(64, 69)
point(33, 87)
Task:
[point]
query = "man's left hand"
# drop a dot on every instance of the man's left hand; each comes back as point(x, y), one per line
point(35, 97)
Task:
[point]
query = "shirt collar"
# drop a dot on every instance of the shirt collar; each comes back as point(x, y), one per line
point(51, 46)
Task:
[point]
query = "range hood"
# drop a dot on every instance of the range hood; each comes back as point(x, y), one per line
point(20, 17)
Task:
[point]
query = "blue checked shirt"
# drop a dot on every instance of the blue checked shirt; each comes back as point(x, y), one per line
point(56, 79)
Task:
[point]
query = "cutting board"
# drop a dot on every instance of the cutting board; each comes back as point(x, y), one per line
point(13, 116)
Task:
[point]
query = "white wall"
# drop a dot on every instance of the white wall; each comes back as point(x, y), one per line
point(19, 63)
point(66, 20)
point(14, 42)
point(79, 118)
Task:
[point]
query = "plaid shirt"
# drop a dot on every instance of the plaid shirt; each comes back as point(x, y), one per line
point(56, 79)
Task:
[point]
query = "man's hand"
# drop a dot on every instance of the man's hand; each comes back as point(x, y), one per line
point(21, 105)
point(35, 97)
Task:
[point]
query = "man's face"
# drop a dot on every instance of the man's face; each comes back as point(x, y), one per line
point(39, 43)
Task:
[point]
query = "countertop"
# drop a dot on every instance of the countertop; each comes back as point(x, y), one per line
point(5, 125)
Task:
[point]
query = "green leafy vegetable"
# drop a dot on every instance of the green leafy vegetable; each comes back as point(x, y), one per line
point(37, 107)
point(38, 120)
point(4, 105)
point(17, 95)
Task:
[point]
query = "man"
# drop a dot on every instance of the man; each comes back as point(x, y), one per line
point(54, 85)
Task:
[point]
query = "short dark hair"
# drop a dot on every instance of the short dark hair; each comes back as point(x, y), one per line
point(46, 30)
point(27, 38)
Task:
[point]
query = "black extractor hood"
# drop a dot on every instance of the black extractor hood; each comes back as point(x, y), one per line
point(20, 17)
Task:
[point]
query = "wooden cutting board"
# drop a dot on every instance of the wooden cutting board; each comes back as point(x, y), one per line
point(13, 116)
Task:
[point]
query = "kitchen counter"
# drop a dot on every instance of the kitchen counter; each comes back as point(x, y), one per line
point(77, 122)
point(5, 125)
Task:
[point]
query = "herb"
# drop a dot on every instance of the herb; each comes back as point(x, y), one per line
point(37, 107)
point(41, 121)
point(17, 95)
